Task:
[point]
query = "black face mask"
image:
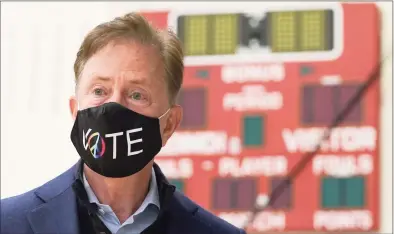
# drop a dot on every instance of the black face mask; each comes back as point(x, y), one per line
point(115, 141)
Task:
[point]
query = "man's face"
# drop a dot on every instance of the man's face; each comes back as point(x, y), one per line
point(132, 75)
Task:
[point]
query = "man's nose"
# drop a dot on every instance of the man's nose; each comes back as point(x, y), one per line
point(118, 97)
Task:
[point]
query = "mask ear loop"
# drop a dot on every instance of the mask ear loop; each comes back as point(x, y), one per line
point(165, 113)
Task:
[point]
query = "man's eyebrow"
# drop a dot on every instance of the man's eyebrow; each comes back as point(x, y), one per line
point(134, 80)
point(137, 81)
point(102, 78)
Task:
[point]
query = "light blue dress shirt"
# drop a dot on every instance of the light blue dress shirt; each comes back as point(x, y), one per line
point(145, 215)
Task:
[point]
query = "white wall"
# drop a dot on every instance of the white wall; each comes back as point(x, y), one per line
point(39, 43)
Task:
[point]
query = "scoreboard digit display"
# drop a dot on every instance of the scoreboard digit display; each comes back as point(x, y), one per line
point(208, 34)
point(196, 40)
point(225, 40)
point(316, 30)
point(294, 34)
point(281, 32)
point(284, 31)
point(301, 31)
point(261, 85)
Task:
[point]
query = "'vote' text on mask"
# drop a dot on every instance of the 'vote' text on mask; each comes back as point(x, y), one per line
point(114, 141)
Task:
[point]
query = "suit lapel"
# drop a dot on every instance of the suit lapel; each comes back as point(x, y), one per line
point(176, 210)
point(59, 213)
point(181, 216)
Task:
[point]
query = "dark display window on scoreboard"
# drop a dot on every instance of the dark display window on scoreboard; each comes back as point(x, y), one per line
point(234, 193)
point(342, 192)
point(193, 102)
point(321, 104)
point(282, 199)
point(280, 31)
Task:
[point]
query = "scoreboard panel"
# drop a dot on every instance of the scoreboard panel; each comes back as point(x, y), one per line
point(312, 32)
point(280, 32)
point(254, 107)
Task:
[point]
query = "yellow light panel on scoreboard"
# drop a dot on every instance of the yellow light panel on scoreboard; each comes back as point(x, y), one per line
point(225, 34)
point(312, 30)
point(196, 37)
point(283, 31)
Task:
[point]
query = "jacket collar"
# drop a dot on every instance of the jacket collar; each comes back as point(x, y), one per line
point(58, 213)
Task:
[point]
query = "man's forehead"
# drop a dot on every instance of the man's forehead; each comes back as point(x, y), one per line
point(125, 59)
point(117, 63)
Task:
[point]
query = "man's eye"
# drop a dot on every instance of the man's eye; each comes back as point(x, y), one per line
point(98, 92)
point(137, 96)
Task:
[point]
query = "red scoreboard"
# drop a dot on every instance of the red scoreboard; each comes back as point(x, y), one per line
point(261, 85)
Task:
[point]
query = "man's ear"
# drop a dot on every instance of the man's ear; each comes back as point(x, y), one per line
point(172, 122)
point(73, 104)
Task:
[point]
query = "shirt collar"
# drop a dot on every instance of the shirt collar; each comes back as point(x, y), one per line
point(151, 198)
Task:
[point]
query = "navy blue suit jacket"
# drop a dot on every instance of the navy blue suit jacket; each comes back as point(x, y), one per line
point(52, 208)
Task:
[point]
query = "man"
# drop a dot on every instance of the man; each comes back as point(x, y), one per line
point(128, 76)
